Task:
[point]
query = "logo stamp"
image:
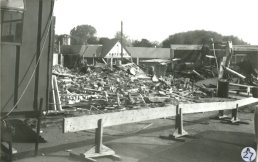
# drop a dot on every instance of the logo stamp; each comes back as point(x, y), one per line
point(248, 154)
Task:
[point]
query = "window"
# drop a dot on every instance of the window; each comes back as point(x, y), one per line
point(11, 20)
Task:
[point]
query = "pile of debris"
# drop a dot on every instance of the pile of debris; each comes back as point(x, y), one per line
point(124, 87)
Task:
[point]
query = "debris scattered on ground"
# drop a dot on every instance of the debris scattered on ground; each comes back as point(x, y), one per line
point(100, 89)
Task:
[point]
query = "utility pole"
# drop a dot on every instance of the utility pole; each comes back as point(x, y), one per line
point(121, 41)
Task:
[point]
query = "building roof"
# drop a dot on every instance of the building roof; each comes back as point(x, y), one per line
point(83, 50)
point(90, 50)
point(147, 52)
point(107, 46)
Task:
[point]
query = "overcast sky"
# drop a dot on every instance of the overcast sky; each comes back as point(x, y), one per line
point(157, 19)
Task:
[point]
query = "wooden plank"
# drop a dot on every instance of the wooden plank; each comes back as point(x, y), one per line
point(53, 94)
point(57, 95)
point(215, 106)
point(246, 101)
point(73, 124)
point(205, 107)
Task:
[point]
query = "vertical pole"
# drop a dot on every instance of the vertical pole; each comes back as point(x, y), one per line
point(234, 113)
point(216, 60)
point(111, 63)
point(180, 129)
point(137, 61)
point(225, 62)
point(94, 56)
point(172, 55)
point(234, 118)
point(38, 127)
point(59, 53)
point(121, 41)
point(50, 60)
point(16, 81)
point(177, 117)
point(99, 136)
point(38, 55)
point(118, 99)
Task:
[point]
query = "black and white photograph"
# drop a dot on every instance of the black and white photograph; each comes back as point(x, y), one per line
point(129, 80)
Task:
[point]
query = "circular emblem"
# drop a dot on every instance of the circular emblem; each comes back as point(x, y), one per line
point(248, 154)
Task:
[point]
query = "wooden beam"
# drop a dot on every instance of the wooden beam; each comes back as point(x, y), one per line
point(234, 72)
point(57, 95)
point(215, 106)
point(74, 124)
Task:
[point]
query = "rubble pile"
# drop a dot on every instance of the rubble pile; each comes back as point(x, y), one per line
point(123, 87)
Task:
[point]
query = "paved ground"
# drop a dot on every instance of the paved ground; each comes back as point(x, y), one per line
point(210, 141)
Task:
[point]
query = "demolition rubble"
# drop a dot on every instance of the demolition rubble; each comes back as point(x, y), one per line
point(98, 89)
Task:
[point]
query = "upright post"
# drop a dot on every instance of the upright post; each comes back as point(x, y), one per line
point(225, 62)
point(99, 136)
point(111, 63)
point(38, 126)
point(172, 55)
point(50, 60)
point(99, 150)
point(122, 41)
point(16, 80)
point(235, 115)
point(179, 129)
point(38, 55)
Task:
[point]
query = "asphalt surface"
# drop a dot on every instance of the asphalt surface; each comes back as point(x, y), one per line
point(209, 141)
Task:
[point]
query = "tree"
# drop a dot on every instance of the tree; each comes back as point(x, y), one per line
point(198, 37)
point(103, 39)
point(93, 40)
point(235, 40)
point(126, 41)
point(143, 43)
point(81, 34)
